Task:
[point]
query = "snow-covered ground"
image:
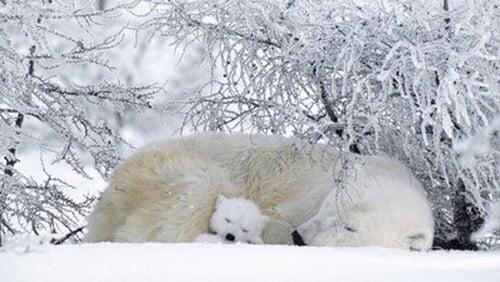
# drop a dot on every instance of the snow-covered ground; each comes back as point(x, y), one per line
point(205, 262)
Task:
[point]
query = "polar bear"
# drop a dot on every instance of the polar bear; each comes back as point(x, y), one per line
point(166, 192)
point(235, 220)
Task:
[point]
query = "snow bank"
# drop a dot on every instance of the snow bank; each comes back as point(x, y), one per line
point(204, 262)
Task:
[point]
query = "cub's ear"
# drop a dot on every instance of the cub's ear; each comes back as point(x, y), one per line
point(220, 199)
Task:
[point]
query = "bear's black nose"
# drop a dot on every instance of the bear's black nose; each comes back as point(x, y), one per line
point(297, 239)
point(230, 237)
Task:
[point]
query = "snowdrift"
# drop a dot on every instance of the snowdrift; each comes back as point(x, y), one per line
point(207, 262)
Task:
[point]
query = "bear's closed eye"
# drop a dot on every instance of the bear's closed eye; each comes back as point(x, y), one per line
point(227, 220)
point(244, 230)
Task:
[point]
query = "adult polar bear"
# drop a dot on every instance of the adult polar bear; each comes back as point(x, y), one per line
point(166, 192)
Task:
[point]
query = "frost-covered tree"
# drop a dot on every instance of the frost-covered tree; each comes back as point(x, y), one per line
point(488, 236)
point(40, 42)
point(408, 79)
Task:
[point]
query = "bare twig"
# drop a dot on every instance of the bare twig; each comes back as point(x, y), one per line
point(70, 234)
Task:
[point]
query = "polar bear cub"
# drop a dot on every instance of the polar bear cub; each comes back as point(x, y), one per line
point(235, 220)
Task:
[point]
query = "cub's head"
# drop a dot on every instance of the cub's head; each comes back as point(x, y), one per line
point(238, 220)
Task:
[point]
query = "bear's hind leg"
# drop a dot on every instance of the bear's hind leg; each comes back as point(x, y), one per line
point(176, 201)
point(104, 220)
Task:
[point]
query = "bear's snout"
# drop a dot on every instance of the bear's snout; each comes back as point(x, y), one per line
point(230, 237)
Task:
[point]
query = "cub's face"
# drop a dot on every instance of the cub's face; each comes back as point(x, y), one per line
point(238, 220)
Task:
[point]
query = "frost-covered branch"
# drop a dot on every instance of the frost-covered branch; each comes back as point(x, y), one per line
point(39, 41)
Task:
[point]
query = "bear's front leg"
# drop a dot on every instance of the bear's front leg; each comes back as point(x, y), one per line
point(277, 233)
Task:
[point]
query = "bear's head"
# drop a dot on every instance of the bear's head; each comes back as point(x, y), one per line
point(238, 220)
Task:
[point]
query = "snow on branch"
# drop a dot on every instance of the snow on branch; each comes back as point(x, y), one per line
point(39, 41)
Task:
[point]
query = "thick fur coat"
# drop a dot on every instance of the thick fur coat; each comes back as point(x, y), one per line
point(166, 192)
point(235, 220)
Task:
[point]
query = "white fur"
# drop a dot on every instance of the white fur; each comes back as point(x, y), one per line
point(385, 207)
point(167, 191)
point(239, 218)
point(211, 238)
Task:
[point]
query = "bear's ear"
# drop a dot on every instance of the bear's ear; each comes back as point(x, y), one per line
point(220, 199)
